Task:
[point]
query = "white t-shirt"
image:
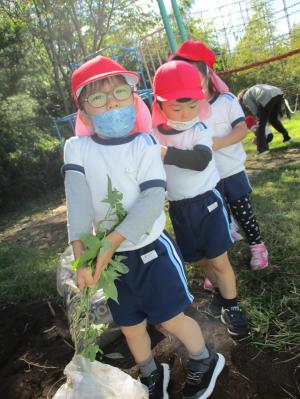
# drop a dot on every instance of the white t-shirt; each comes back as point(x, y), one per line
point(133, 163)
point(226, 112)
point(186, 183)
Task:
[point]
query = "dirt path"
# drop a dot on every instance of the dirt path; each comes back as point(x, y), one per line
point(35, 344)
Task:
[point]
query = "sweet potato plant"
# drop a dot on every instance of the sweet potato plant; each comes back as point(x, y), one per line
point(95, 245)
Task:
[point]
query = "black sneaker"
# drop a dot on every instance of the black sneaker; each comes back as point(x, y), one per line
point(157, 382)
point(287, 139)
point(215, 307)
point(236, 322)
point(202, 376)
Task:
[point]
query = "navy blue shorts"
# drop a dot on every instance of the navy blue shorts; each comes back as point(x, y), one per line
point(201, 226)
point(155, 288)
point(234, 187)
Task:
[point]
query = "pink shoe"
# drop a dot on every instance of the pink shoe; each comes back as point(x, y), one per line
point(259, 257)
point(207, 285)
point(234, 232)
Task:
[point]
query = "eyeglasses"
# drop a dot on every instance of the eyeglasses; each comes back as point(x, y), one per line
point(99, 99)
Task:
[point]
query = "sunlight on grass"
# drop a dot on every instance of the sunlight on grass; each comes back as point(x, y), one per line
point(26, 274)
point(293, 127)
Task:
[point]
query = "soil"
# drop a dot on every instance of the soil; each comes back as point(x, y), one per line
point(35, 347)
point(35, 344)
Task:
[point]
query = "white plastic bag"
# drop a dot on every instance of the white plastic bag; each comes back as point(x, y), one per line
point(99, 314)
point(95, 380)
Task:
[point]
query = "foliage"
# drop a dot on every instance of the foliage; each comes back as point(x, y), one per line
point(29, 159)
point(261, 41)
point(95, 246)
point(41, 39)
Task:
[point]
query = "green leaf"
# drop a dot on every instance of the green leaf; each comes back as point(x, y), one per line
point(90, 352)
point(120, 267)
point(89, 240)
point(87, 256)
point(93, 245)
point(106, 282)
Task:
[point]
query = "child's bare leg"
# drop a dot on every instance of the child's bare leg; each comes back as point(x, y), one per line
point(138, 341)
point(209, 271)
point(154, 375)
point(226, 281)
point(187, 330)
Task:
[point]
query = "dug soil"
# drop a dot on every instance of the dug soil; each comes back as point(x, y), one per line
point(35, 344)
point(35, 347)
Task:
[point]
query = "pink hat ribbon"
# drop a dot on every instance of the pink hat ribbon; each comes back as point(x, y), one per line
point(219, 84)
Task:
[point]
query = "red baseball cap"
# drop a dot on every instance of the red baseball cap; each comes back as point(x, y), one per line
point(250, 121)
point(177, 79)
point(193, 50)
point(99, 68)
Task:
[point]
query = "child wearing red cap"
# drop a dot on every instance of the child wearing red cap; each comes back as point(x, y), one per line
point(155, 288)
point(196, 208)
point(230, 129)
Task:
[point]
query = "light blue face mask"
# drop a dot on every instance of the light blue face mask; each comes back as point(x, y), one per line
point(117, 122)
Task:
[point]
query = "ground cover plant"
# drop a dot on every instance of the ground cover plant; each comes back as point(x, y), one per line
point(34, 339)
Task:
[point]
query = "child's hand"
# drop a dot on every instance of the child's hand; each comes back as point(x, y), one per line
point(218, 143)
point(84, 278)
point(102, 262)
point(163, 151)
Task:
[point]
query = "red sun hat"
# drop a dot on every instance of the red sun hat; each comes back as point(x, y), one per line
point(97, 68)
point(177, 79)
point(194, 50)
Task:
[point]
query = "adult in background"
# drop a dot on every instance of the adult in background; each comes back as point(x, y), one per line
point(264, 102)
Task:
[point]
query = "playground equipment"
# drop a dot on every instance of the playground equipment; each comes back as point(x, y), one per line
point(152, 51)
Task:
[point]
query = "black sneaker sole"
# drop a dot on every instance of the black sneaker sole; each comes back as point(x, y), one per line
point(234, 334)
point(209, 390)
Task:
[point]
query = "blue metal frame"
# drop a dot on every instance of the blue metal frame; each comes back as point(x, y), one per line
point(145, 93)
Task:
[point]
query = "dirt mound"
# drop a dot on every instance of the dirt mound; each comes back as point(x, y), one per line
point(35, 346)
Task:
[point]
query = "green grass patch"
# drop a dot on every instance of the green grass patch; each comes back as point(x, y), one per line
point(26, 274)
point(293, 127)
point(272, 296)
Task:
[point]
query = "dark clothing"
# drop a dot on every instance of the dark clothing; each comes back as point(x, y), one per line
point(243, 212)
point(196, 159)
point(235, 190)
point(269, 113)
point(201, 226)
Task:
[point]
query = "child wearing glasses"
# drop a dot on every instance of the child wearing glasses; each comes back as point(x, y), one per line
point(155, 288)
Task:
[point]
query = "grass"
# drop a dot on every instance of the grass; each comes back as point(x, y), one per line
point(271, 297)
point(293, 127)
point(26, 274)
